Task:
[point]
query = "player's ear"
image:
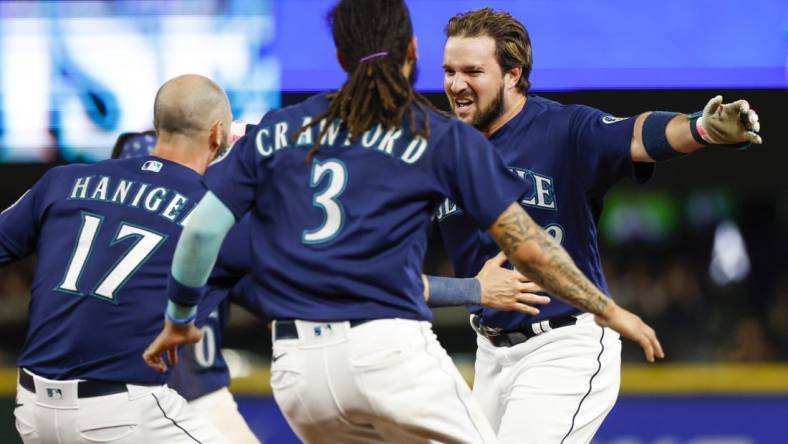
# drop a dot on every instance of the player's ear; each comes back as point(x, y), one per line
point(512, 76)
point(341, 59)
point(216, 136)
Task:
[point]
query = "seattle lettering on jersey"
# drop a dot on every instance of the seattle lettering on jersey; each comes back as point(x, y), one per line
point(167, 203)
point(540, 194)
point(276, 137)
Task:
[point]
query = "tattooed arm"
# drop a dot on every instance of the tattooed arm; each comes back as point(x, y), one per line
point(536, 255)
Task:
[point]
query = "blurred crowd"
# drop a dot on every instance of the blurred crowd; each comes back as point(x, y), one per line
point(698, 320)
point(716, 290)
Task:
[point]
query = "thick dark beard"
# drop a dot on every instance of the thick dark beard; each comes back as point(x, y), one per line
point(484, 118)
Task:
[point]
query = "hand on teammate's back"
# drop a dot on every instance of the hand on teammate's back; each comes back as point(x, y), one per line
point(630, 326)
point(168, 341)
point(508, 290)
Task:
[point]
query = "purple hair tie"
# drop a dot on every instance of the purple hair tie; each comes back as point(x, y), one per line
point(374, 55)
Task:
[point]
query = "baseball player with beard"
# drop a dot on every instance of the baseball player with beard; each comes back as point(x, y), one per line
point(342, 188)
point(553, 376)
point(105, 235)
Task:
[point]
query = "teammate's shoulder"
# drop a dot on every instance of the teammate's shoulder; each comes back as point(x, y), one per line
point(562, 111)
point(440, 121)
point(67, 170)
point(311, 106)
point(544, 104)
point(109, 166)
point(452, 133)
point(439, 116)
point(558, 107)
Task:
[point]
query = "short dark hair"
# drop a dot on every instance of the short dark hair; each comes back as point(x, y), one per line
point(512, 42)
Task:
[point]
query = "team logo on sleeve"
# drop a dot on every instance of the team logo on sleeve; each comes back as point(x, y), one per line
point(612, 119)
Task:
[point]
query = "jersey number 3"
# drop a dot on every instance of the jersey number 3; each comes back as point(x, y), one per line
point(326, 200)
point(146, 243)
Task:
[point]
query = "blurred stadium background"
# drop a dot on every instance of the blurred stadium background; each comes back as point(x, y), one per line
point(701, 252)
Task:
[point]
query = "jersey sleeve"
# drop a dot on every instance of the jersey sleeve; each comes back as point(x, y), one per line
point(603, 149)
point(20, 223)
point(233, 176)
point(212, 298)
point(247, 295)
point(472, 174)
point(235, 256)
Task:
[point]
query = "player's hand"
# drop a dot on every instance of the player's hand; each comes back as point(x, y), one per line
point(168, 341)
point(630, 326)
point(508, 290)
point(730, 123)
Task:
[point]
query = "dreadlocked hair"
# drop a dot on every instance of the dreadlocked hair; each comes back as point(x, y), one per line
point(376, 91)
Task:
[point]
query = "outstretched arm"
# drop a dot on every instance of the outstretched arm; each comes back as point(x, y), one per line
point(536, 255)
point(662, 135)
point(192, 263)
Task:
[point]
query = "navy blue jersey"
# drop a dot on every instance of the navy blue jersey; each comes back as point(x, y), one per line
point(344, 237)
point(235, 256)
point(104, 235)
point(569, 156)
point(202, 368)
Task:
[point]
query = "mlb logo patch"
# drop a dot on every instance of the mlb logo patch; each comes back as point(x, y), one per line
point(55, 393)
point(152, 165)
point(323, 330)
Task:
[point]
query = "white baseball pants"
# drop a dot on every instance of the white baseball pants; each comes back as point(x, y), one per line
point(553, 388)
point(386, 380)
point(219, 408)
point(144, 414)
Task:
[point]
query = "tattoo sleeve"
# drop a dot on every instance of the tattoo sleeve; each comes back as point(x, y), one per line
point(538, 256)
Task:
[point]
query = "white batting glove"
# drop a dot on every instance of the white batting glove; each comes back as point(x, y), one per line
point(728, 123)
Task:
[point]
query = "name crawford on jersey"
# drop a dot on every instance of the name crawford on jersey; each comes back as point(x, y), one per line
point(273, 138)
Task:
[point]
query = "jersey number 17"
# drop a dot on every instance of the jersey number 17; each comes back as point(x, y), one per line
point(146, 242)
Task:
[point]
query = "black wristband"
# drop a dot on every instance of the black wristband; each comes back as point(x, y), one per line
point(694, 128)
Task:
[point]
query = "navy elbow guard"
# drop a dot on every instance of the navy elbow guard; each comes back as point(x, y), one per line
point(655, 139)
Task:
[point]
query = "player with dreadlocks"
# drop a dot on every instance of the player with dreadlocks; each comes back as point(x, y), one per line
point(338, 244)
point(376, 91)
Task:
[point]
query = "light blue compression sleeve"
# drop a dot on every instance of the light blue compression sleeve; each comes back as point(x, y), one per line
point(195, 256)
point(447, 292)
